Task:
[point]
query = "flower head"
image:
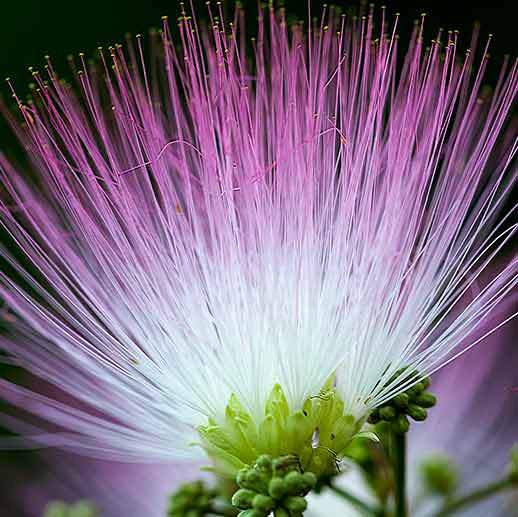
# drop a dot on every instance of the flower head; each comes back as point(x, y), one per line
point(216, 249)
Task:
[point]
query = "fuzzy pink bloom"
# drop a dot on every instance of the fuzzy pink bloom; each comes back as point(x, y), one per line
point(205, 224)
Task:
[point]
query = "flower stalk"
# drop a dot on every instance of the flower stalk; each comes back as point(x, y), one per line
point(358, 503)
point(399, 457)
point(475, 497)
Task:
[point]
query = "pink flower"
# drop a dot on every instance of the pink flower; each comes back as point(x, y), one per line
point(201, 225)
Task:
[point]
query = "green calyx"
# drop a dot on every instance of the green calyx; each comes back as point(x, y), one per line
point(79, 509)
point(411, 403)
point(273, 485)
point(316, 434)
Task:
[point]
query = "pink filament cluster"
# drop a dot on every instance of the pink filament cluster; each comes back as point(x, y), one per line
point(205, 223)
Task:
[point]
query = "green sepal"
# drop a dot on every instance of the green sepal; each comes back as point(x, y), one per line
point(276, 404)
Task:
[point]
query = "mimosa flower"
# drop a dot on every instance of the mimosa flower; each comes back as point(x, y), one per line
point(241, 253)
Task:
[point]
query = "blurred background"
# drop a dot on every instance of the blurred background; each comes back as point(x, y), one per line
point(29, 29)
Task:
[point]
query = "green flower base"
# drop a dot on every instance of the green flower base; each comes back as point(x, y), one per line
point(316, 434)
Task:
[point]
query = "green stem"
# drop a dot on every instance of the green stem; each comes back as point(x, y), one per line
point(399, 459)
point(475, 497)
point(356, 502)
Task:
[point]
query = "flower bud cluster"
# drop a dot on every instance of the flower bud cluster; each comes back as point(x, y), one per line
point(411, 403)
point(273, 485)
point(192, 499)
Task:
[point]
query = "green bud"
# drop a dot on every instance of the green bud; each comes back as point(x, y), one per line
point(191, 499)
point(243, 498)
point(276, 488)
point(241, 476)
point(415, 390)
point(440, 475)
point(263, 503)
point(310, 481)
point(273, 486)
point(400, 425)
point(401, 400)
point(417, 412)
point(295, 504)
point(264, 462)
point(294, 483)
point(387, 413)
point(426, 400)
point(412, 402)
point(253, 478)
point(252, 512)
point(254, 481)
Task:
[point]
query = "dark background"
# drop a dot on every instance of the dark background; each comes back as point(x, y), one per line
point(31, 28)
